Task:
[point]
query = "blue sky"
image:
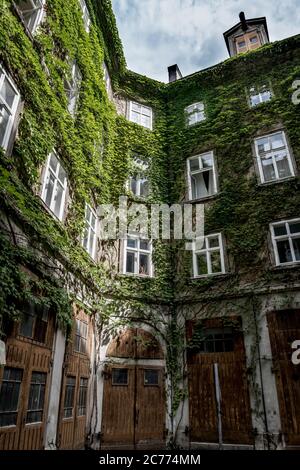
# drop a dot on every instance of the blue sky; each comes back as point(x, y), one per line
point(159, 33)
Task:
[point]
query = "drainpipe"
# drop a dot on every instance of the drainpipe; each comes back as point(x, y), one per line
point(261, 376)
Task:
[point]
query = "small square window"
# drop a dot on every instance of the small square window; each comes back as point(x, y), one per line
point(259, 95)
point(119, 376)
point(195, 113)
point(151, 377)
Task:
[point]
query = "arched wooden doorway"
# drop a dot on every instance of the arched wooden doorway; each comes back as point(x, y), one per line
point(133, 414)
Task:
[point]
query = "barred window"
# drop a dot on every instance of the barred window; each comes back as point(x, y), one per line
point(9, 396)
point(83, 388)
point(36, 399)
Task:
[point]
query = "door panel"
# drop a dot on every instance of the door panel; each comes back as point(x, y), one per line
point(284, 328)
point(224, 347)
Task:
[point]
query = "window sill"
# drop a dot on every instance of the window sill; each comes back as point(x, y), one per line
point(280, 181)
point(210, 276)
point(61, 222)
point(135, 276)
point(202, 199)
point(286, 266)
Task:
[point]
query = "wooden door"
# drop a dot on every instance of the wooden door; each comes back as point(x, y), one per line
point(133, 407)
point(222, 346)
point(74, 392)
point(284, 329)
point(27, 376)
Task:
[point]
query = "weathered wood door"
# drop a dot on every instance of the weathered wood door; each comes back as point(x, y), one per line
point(133, 413)
point(284, 329)
point(24, 384)
point(224, 346)
point(74, 392)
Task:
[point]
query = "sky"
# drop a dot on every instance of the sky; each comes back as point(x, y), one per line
point(159, 33)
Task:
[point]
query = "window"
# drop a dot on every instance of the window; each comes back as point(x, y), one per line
point(81, 336)
point(85, 15)
point(72, 86)
point(31, 12)
point(120, 377)
point(209, 259)
point(195, 113)
point(34, 322)
point(69, 397)
point(140, 114)
point(90, 231)
point(36, 397)
point(241, 44)
point(273, 157)
point(138, 182)
point(9, 101)
point(107, 78)
point(216, 340)
point(83, 387)
point(150, 377)
point(260, 95)
point(55, 186)
point(253, 39)
point(286, 241)
point(201, 176)
point(138, 257)
point(9, 396)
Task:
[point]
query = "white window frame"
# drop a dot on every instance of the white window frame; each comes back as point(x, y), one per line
point(259, 94)
point(273, 152)
point(64, 185)
point(201, 170)
point(91, 232)
point(107, 79)
point(143, 167)
point(142, 107)
point(11, 110)
point(137, 251)
point(85, 15)
point(206, 250)
point(39, 16)
point(196, 110)
point(289, 236)
point(72, 88)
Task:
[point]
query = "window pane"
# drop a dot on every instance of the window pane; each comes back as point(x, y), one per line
point(133, 186)
point(268, 169)
point(144, 245)
point(58, 200)
point(8, 93)
point(296, 246)
point(69, 397)
point(131, 243)
point(9, 396)
point(135, 117)
point(49, 189)
point(144, 264)
point(279, 230)
point(201, 264)
point(206, 161)
point(82, 396)
point(284, 251)
point(91, 243)
point(144, 188)
point(255, 100)
point(277, 141)
point(4, 120)
point(62, 175)
point(254, 40)
point(36, 397)
point(266, 96)
point(294, 227)
point(215, 259)
point(53, 162)
point(119, 376)
point(145, 121)
point(194, 164)
point(26, 326)
point(282, 164)
point(150, 377)
point(130, 262)
point(263, 145)
point(202, 184)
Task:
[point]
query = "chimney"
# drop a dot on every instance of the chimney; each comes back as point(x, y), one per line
point(243, 21)
point(174, 73)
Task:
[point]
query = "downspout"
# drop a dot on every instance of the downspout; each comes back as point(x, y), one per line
point(261, 375)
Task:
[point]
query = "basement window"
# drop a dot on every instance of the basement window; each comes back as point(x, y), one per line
point(258, 96)
point(9, 101)
point(9, 396)
point(201, 176)
point(273, 157)
point(85, 15)
point(138, 257)
point(138, 183)
point(286, 241)
point(90, 231)
point(31, 12)
point(140, 114)
point(55, 186)
point(72, 86)
point(195, 113)
point(208, 256)
point(36, 398)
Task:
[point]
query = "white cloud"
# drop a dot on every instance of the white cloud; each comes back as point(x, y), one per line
point(158, 33)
